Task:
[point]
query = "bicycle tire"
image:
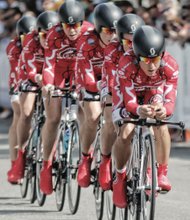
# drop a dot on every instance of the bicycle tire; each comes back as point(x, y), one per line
point(146, 207)
point(109, 206)
point(60, 170)
point(27, 170)
point(123, 214)
point(98, 191)
point(40, 196)
point(74, 156)
point(24, 185)
point(149, 214)
point(133, 170)
point(32, 184)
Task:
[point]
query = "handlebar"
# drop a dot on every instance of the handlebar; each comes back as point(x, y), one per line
point(152, 122)
point(61, 93)
point(29, 88)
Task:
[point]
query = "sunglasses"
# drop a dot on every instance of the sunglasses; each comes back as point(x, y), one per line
point(107, 30)
point(127, 42)
point(150, 60)
point(69, 26)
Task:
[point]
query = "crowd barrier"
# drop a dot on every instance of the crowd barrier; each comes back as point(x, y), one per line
point(181, 54)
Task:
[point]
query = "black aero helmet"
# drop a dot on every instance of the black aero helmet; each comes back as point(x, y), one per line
point(47, 19)
point(106, 15)
point(128, 24)
point(25, 24)
point(71, 12)
point(148, 42)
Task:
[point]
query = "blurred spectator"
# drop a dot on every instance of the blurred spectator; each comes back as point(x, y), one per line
point(10, 15)
point(126, 6)
point(185, 15)
point(52, 4)
point(90, 11)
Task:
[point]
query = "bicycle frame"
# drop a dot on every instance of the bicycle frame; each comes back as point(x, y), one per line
point(140, 192)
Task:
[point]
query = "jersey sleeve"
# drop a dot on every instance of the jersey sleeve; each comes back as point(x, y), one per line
point(13, 61)
point(170, 88)
point(111, 59)
point(53, 44)
point(85, 67)
point(127, 86)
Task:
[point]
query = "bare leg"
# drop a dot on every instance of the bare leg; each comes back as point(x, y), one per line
point(13, 143)
point(92, 111)
point(108, 134)
point(122, 148)
point(24, 122)
point(49, 131)
point(163, 144)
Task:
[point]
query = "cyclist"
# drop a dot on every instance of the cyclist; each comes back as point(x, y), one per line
point(13, 50)
point(148, 86)
point(25, 25)
point(30, 75)
point(58, 73)
point(125, 28)
point(90, 60)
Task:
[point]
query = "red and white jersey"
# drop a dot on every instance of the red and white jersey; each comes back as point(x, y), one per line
point(112, 54)
point(31, 58)
point(90, 59)
point(13, 51)
point(60, 56)
point(135, 85)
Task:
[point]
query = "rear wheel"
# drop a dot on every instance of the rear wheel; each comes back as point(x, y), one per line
point(74, 155)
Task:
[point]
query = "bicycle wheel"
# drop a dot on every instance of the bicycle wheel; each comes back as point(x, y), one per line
point(74, 155)
point(32, 165)
point(24, 184)
point(133, 175)
point(28, 165)
point(148, 192)
point(123, 214)
point(32, 186)
point(142, 199)
point(98, 192)
point(109, 206)
point(41, 197)
point(60, 172)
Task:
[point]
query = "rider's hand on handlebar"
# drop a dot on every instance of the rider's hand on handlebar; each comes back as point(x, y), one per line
point(160, 112)
point(146, 111)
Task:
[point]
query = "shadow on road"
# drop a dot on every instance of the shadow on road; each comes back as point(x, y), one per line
point(180, 153)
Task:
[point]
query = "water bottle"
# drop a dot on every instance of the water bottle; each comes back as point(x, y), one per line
point(66, 139)
point(73, 112)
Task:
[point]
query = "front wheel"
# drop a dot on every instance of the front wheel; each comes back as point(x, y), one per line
point(98, 191)
point(24, 184)
point(60, 171)
point(41, 197)
point(74, 155)
point(110, 208)
point(147, 185)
